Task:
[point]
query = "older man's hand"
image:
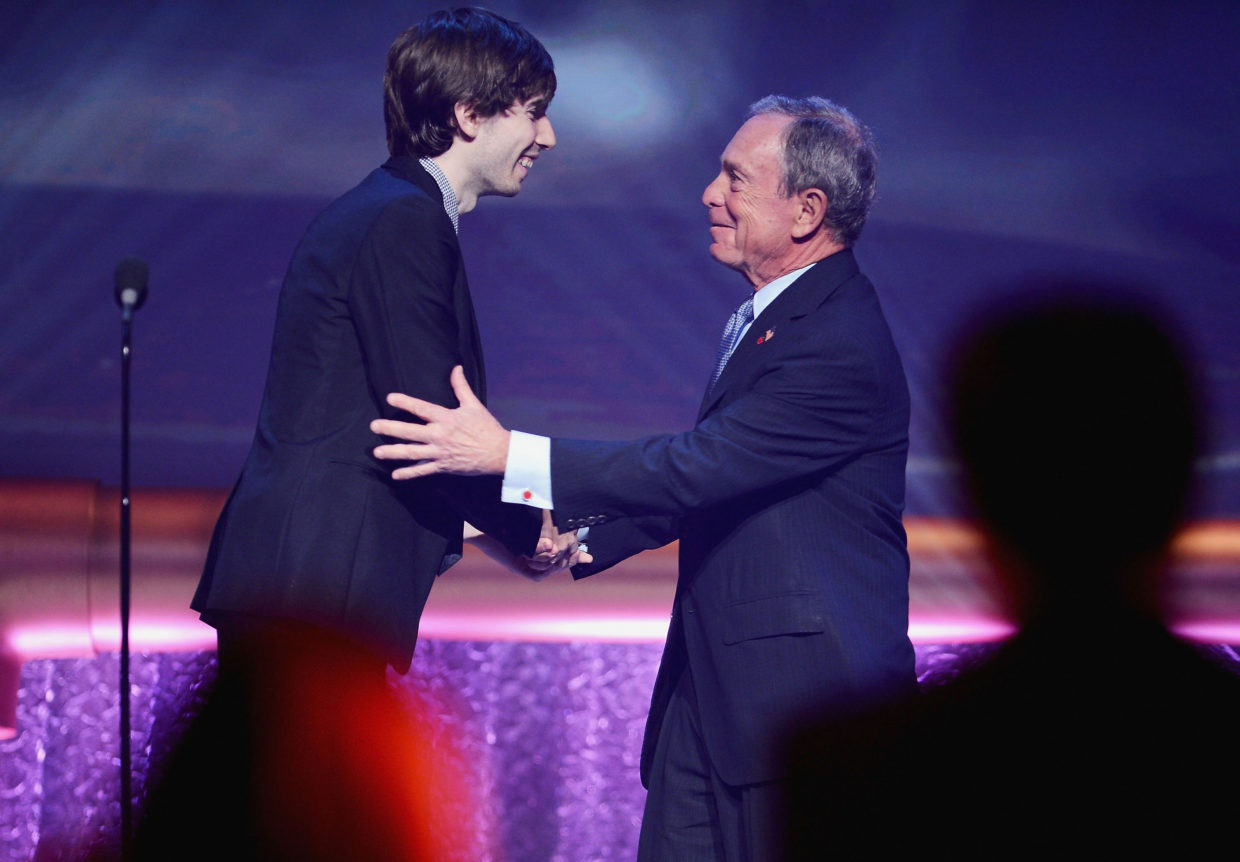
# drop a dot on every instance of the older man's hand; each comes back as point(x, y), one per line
point(555, 551)
point(466, 441)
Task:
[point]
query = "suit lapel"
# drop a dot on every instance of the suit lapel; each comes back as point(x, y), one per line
point(410, 170)
point(800, 298)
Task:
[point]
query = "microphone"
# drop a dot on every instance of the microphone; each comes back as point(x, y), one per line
point(131, 277)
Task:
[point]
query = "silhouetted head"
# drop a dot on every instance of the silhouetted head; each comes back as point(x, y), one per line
point(1075, 419)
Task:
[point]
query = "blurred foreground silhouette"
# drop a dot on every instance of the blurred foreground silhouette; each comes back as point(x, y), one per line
point(307, 755)
point(1093, 729)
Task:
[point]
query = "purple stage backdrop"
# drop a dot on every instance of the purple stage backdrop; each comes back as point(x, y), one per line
point(1098, 138)
point(553, 732)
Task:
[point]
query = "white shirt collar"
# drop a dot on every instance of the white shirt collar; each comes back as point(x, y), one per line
point(766, 294)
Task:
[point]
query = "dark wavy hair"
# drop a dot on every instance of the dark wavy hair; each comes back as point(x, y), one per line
point(827, 148)
point(459, 55)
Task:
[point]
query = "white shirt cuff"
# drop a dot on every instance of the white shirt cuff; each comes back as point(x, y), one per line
point(527, 477)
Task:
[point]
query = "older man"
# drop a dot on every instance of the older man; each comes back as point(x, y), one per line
point(786, 497)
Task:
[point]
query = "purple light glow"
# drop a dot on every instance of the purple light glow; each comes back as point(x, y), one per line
point(54, 640)
point(499, 622)
point(1224, 632)
point(961, 629)
point(498, 625)
point(180, 633)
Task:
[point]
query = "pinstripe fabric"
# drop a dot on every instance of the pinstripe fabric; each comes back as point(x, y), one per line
point(786, 499)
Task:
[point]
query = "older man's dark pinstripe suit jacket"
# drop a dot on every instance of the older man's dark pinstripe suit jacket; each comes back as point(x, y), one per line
point(787, 499)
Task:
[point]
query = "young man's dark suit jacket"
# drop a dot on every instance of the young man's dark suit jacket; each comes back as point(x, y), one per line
point(316, 531)
point(787, 499)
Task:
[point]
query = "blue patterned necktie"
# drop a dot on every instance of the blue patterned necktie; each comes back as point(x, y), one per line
point(740, 318)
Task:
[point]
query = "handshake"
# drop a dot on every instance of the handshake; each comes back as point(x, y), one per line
point(468, 441)
point(554, 551)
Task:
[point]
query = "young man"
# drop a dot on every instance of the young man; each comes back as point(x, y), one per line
point(316, 540)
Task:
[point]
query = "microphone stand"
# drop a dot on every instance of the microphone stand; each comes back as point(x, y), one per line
point(131, 284)
point(126, 764)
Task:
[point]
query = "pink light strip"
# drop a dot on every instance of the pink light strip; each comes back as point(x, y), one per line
point(47, 641)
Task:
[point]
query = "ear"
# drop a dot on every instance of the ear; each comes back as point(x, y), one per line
point(811, 208)
point(468, 120)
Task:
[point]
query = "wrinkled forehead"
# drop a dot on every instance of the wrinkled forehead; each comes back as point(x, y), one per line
point(759, 141)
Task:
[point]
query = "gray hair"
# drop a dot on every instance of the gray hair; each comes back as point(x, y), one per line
point(827, 148)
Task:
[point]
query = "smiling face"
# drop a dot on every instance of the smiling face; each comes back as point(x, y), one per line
point(506, 146)
point(751, 222)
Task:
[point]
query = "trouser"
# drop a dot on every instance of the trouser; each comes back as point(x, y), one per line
point(691, 815)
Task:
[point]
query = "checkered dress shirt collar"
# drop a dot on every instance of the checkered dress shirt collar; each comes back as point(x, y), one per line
point(450, 205)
